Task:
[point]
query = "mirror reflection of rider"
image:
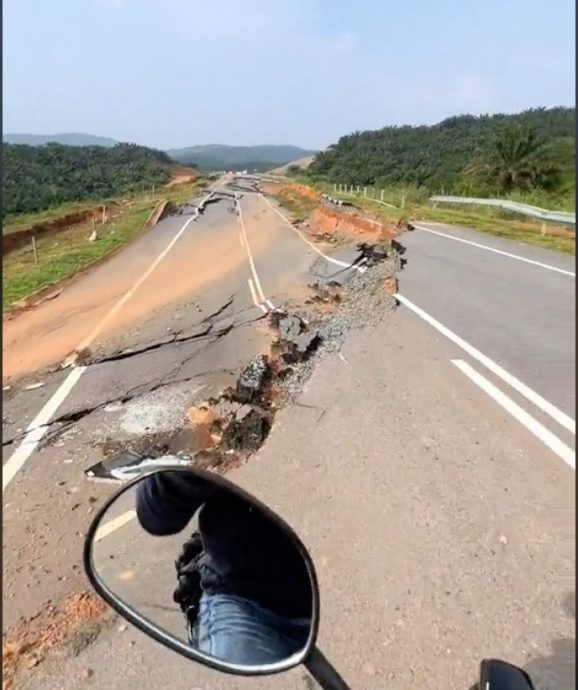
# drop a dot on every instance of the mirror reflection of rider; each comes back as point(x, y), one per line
point(256, 602)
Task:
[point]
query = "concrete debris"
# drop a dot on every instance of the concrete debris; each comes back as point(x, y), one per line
point(34, 386)
point(252, 380)
point(372, 254)
point(225, 407)
point(289, 326)
point(327, 293)
point(296, 341)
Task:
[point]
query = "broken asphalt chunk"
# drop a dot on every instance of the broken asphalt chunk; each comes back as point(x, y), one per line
point(252, 380)
point(248, 432)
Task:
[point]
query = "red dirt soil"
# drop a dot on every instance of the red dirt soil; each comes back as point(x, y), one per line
point(19, 238)
point(329, 221)
point(292, 190)
point(27, 646)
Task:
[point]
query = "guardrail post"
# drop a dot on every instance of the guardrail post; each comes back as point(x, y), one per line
point(403, 201)
point(334, 187)
point(365, 191)
point(543, 229)
point(381, 195)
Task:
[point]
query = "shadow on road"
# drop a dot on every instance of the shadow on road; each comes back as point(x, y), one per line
point(558, 670)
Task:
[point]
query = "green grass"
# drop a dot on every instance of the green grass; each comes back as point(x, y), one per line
point(494, 221)
point(524, 231)
point(64, 254)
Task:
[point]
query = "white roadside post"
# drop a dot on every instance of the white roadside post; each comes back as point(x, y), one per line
point(34, 249)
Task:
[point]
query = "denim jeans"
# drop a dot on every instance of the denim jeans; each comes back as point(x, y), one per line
point(241, 632)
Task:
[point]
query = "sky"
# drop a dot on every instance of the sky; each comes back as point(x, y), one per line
point(173, 73)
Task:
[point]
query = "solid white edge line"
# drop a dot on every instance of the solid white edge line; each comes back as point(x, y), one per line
point(337, 262)
point(253, 293)
point(561, 417)
point(260, 292)
point(256, 302)
point(533, 425)
point(38, 428)
point(270, 304)
point(114, 524)
point(492, 249)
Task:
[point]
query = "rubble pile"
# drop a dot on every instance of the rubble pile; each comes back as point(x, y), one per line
point(238, 421)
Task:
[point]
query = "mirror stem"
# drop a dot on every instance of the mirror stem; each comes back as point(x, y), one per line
point(323, 671)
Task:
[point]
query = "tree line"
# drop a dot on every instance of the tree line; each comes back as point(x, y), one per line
point(35, 178)
point(486, 154)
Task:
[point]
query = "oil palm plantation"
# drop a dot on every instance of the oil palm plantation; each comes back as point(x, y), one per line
point(518, 159)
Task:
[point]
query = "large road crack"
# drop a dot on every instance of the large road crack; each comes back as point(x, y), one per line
point(176, 338)
point(60, 424)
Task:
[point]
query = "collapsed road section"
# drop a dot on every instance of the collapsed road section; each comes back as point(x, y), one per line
point(191, 368)
point(226, 429)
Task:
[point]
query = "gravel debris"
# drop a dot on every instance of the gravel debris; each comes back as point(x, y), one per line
point(364, 303)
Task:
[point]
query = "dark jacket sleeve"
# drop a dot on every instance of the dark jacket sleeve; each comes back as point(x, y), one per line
point(166, 501)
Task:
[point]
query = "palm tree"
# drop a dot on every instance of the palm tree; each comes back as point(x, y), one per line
point(519, 159)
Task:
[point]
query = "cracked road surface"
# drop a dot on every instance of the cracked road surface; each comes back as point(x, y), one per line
point(183, 337)
point(442, 529)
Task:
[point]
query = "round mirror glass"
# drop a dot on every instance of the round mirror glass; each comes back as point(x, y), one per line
point(206, 570)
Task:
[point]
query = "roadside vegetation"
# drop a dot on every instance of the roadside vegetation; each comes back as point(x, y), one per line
point(38, 178)
point(527, 158)
point(467, 155)
point(64, 254)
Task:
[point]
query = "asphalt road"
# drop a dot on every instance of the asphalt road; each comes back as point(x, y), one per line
point(441, 530)
point(522, 315)
point(440, 521)
point(181, 339)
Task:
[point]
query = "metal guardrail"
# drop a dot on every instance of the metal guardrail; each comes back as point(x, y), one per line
point(543, 214)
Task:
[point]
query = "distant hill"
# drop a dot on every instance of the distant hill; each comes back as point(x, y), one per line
point(437, 157)
point(221, 157)
point(66, 139)
point(301, 164)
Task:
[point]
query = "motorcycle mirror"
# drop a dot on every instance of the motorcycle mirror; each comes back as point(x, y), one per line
point(207, 570)
point(500, 675)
